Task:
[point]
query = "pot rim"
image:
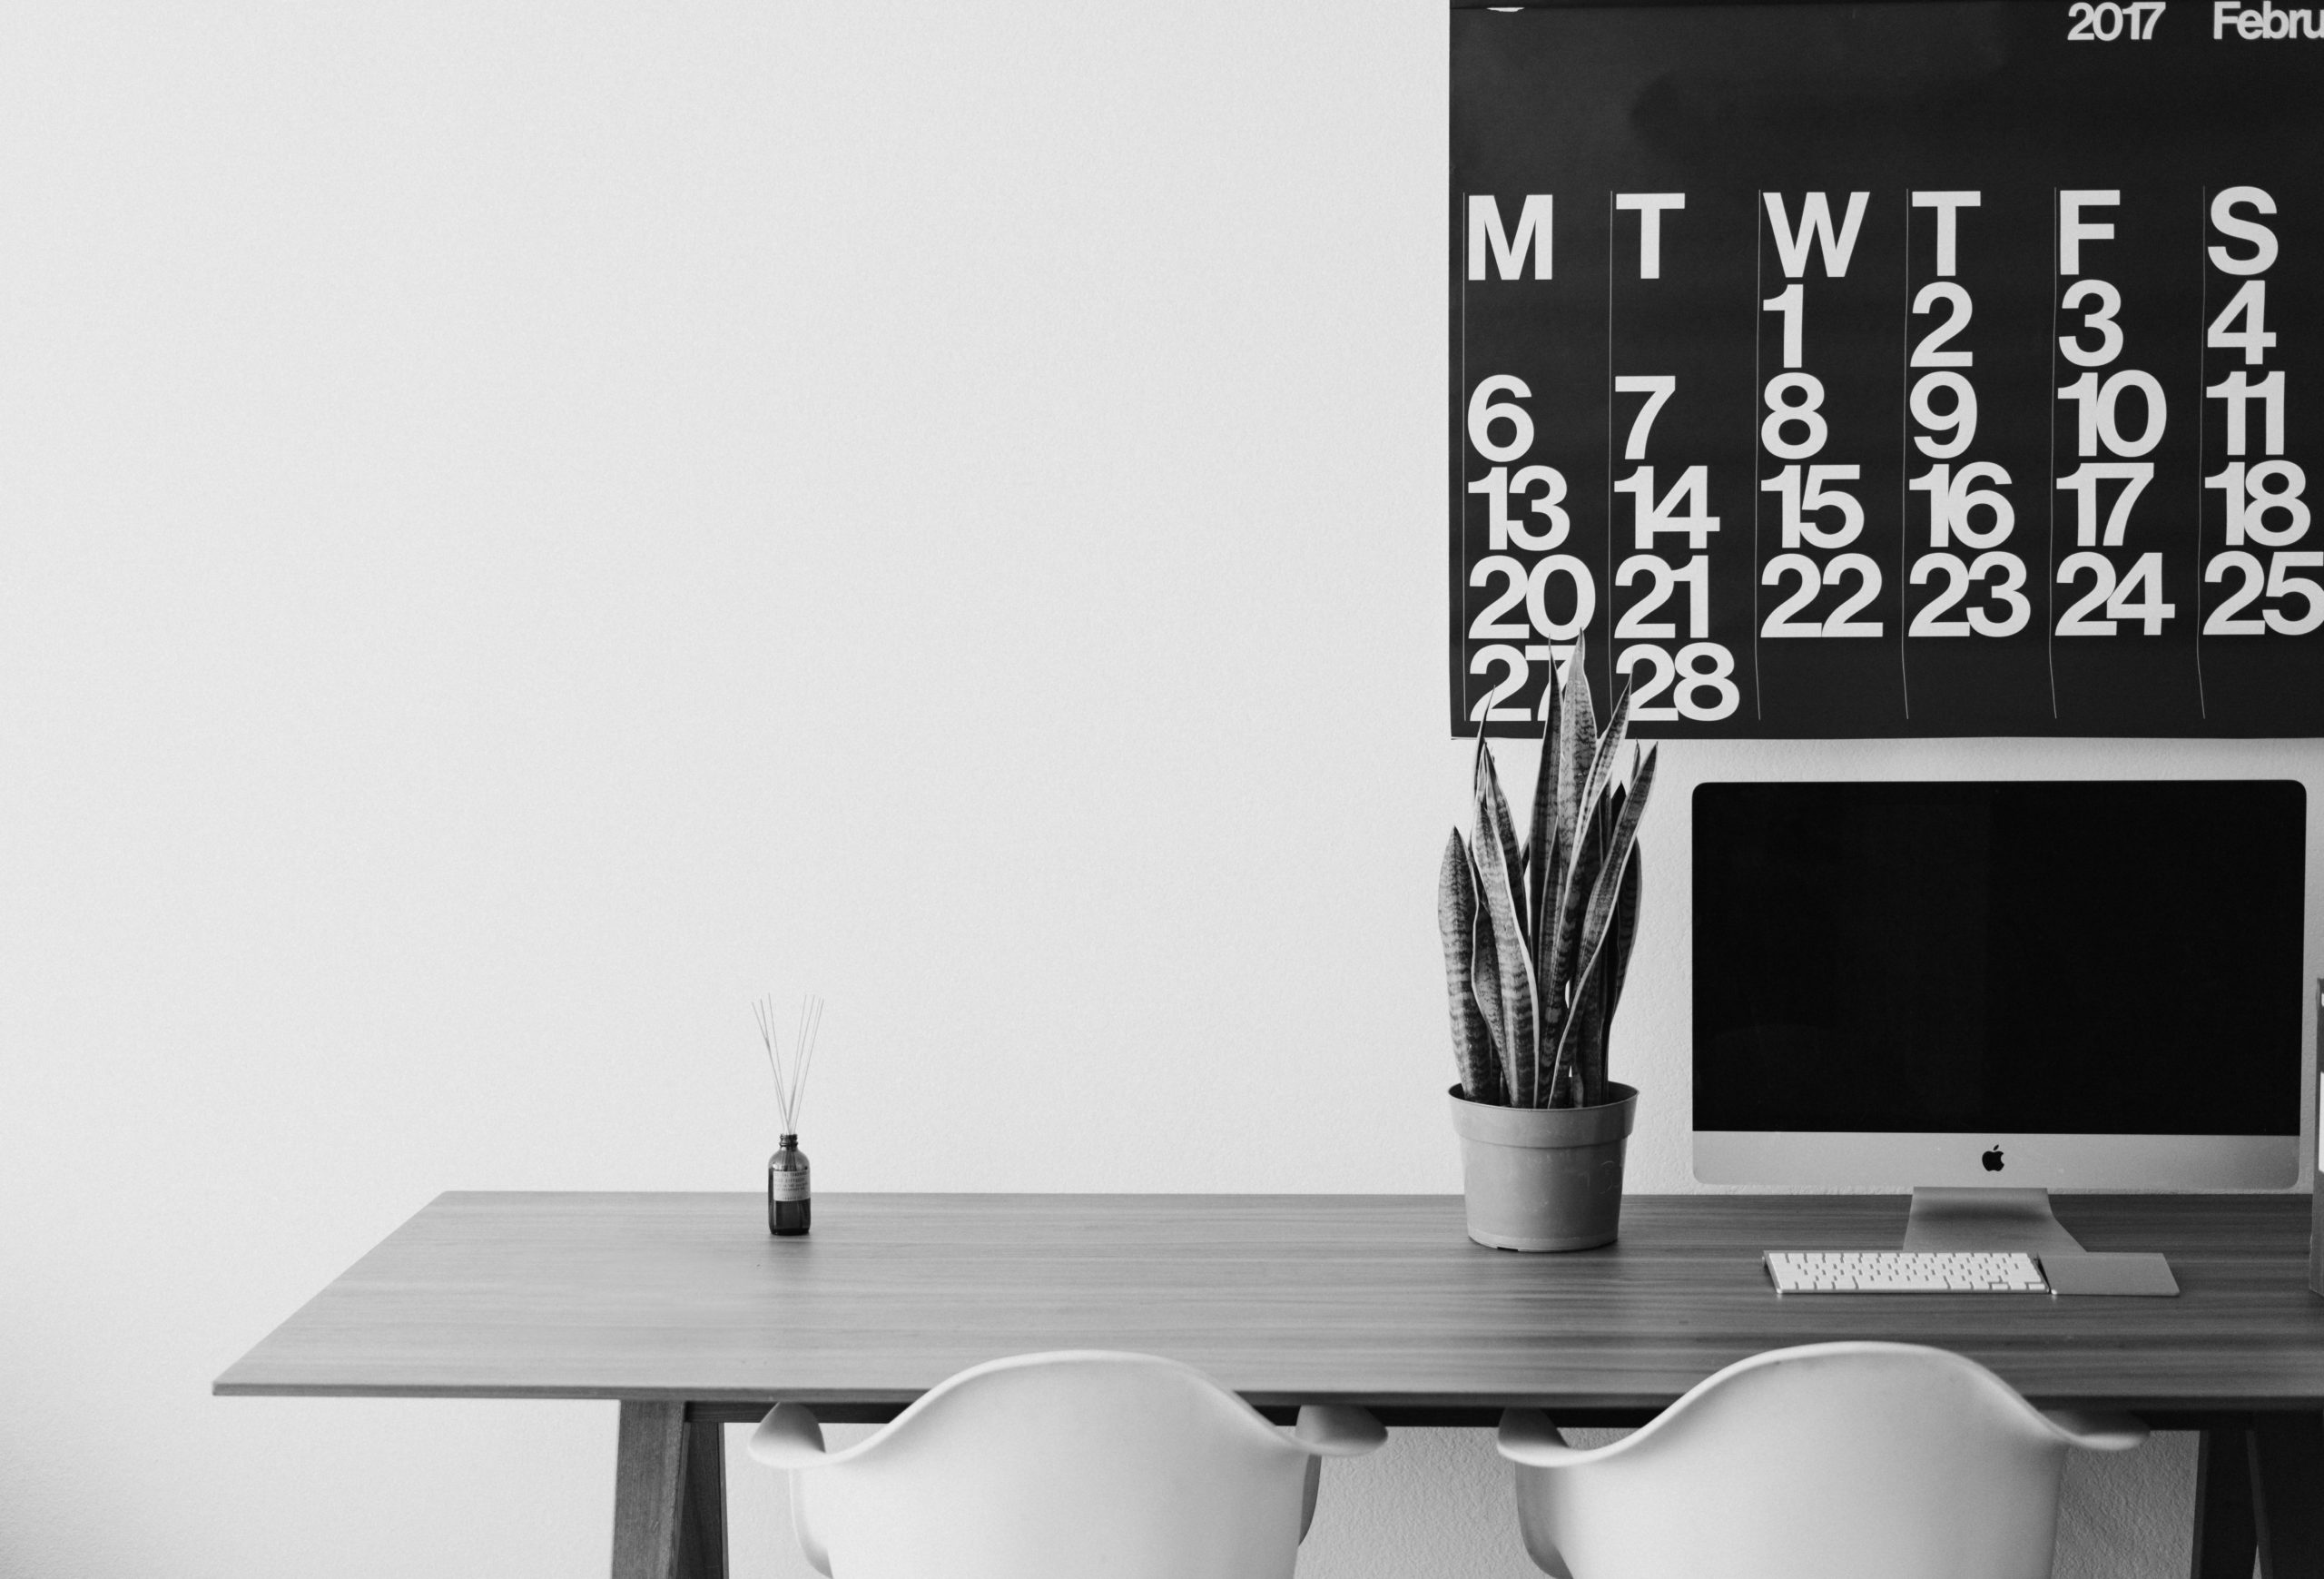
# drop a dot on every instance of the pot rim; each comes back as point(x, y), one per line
point(1627, 1098)
point(1548, 1128)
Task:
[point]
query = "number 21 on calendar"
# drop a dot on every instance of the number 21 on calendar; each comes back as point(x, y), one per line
point(1697, 682)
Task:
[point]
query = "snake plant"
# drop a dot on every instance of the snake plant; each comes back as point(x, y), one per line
point(1538, 932)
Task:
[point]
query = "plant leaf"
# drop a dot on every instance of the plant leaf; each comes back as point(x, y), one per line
point(1591, 799)
point(1586, 1066)
point(1494, 821)
point(1456, 920)
point(1593, 796)
point(1592, 990)
point(1542, 836)
point(1489, 843)
point(1484, 971)
point(1484, 951)
point(1574, 721)
point(1569, 722)
point(1582, 864)
point(1577, 725)
point(1581, 870)
point(1607, 889)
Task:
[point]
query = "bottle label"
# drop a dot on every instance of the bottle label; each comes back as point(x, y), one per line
point(787, 1184)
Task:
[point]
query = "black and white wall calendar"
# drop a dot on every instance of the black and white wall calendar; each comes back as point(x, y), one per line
point(1912, 368)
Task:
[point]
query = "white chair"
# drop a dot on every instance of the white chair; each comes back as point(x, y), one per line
point(1066, 1464)
point(1832, 1461)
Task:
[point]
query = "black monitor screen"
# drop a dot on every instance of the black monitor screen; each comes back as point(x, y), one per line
point(2095, 958)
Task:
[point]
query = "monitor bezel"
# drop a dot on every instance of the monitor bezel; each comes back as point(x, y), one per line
point(1905, 1160)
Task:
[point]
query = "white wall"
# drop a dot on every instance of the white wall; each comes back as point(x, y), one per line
point(527, 526)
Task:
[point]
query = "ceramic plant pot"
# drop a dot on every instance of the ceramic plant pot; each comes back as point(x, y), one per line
point(1544, 1179)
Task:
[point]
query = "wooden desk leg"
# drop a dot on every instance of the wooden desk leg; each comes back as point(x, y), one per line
point(701, 1539)
point(669, 1495)
point(2226, 1534)
point(2287, 1494)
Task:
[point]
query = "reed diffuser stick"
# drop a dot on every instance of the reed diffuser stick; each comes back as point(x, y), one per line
point(790, 1073)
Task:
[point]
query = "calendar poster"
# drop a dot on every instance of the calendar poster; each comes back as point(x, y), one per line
point(1915, 369)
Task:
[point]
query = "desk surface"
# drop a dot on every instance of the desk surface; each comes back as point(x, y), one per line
point(1373, 1299)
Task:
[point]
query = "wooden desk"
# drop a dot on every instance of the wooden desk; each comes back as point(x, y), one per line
point(685, 1309)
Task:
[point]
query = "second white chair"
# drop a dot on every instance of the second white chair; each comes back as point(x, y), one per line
point(1831, 1461)
point(1060, 1466)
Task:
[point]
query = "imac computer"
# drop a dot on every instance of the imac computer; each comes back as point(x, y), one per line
point(1983, 991)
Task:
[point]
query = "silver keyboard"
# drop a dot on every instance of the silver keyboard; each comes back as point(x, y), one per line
point(1905, 1272)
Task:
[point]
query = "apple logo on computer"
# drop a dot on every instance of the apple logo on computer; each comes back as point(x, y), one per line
point(1992, 1159)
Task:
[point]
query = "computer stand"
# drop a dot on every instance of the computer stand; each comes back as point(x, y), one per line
point(1985, 1219)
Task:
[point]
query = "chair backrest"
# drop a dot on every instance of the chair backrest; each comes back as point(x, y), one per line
point(1066, 1464)
point(1833, 1461)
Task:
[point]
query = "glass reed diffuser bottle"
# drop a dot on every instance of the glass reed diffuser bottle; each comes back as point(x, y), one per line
point(790, 1205)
